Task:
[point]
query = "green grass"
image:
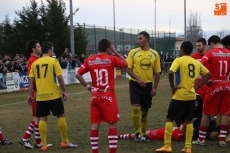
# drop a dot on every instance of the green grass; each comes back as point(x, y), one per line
point(15, 114)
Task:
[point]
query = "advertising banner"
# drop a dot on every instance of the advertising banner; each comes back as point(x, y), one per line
point(12, 81)
point(24, 83)
point(3, 86)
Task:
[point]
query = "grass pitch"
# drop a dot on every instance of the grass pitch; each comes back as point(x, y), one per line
point(15, 115)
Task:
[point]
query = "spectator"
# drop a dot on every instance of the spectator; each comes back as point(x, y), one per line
point(62, 62)
point(75, 56)
point(82, 58)
point(70, 64)
point(11, 66)
point(18, 65)
point(166, 64)
point(23, 65)
point(171, 59)
point(1, 56)
point(2, 67)
point(66, 53)
point(77, 62)
point(16, 57)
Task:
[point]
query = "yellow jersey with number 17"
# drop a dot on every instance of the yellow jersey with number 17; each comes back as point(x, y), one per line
point(144, 63)
point(186, 70)
point(44, 71)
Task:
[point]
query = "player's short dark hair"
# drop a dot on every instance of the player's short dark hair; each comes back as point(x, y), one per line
point(46, 46)
point(31, 44)
point(202, 40)
point(187, 47)
point(145, 34)
point(226, 40)
point(103, 45)
point(214, 39)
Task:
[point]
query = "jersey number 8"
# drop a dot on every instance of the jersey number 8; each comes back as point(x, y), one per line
point(191, 70)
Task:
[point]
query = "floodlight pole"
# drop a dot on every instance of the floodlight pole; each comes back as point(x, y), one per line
point(155, 30)
point(185, 31)
point(114, 25)
point(71, 29)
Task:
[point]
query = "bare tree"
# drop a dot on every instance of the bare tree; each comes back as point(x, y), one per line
point(222, 33)
point(194, 29)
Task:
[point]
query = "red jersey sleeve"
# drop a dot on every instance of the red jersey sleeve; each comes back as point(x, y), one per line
point(31, 60)
point(118, 62)
point(29, 64)
point(84, 68)
point(206, 58)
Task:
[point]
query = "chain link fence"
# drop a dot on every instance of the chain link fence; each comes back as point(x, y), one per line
point(125, 39)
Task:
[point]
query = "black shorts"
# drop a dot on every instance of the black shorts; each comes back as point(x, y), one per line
point(55, 106)
point(196, 114)
point(139, 95)
point(198, 110)
point(181, 110)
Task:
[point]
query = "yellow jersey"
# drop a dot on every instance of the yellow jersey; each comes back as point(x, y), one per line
point(44, 71)
point(186, 70)
point(144, 63)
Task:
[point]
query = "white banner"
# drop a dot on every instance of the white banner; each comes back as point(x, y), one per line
point(86, 76)
point(65, 76)
point(12, 82)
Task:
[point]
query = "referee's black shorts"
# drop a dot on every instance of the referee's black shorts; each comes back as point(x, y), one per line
point(181, 110)
point(139, 95)
point(45, 107)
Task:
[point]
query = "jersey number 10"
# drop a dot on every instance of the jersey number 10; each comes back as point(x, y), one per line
point(102, 77)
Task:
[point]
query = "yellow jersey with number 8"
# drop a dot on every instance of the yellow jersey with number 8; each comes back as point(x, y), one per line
point(186, 70)
point(44, 71)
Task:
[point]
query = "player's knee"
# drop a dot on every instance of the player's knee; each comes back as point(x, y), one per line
point(188, 121)
point(36, 120)
point(113, 125)
point(144, 109)
point(59, 116)
point(135, 111)
point(95, 126)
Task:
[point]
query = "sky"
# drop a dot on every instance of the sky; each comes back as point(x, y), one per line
point(137, 14)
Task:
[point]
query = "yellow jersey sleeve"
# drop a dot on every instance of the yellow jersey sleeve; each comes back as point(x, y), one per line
point(129, 59)
point(157, 65)
point(31, 74)
point(203, 70)
point(57, 68)
point(175, 65)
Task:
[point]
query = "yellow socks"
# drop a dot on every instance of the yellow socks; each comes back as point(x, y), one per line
point(136, 115)
point(43, 132)
point(62, 126)
point(188, 135)
point(168, 134)
point(144, 122)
